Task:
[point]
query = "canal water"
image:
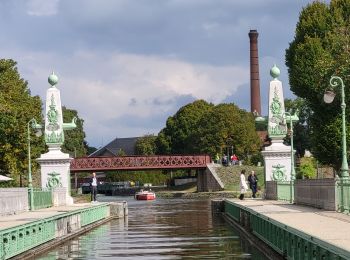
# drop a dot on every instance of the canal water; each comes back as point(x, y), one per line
point(160, 229)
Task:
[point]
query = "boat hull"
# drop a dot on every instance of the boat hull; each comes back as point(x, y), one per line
point(145, 196)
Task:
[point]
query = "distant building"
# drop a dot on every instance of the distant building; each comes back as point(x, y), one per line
point(127, 145)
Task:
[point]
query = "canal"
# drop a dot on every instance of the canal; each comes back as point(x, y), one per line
point(160, 229)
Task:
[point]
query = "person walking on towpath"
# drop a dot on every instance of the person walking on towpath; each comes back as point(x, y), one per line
point(243, 185)
point(253, 183)
point(93, 187)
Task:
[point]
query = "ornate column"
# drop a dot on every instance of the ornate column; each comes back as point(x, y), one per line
point(277, 156)
point(55, 165)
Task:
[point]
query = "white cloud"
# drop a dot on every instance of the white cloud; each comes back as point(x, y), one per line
point(107, 88)
point(42, 7)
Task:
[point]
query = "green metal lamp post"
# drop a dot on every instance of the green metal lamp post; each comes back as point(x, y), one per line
point(33, 124)
point(291, 119)
point(329, 95)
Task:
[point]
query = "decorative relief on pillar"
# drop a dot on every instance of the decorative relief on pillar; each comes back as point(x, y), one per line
point(51, 135)
point(279, 173)
point(277, 127)
point(54, 180)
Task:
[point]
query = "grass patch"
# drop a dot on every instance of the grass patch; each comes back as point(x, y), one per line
point(230, 176)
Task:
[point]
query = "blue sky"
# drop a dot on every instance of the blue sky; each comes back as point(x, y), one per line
point(126, 66)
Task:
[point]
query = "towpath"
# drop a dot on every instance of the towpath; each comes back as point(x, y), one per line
point(30, 216)
point(328, 226)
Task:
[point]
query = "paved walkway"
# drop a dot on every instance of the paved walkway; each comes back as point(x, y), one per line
point(329, 226)
point(30, 216)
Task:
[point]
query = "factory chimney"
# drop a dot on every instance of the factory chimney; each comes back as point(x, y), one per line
point(255, 105)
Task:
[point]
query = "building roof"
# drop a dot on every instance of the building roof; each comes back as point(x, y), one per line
point(111, 149)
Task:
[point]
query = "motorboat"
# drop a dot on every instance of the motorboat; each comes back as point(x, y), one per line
point(145, 195)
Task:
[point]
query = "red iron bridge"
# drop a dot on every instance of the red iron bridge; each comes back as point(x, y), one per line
point(140, 162)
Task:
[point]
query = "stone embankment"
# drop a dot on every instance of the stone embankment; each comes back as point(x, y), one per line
point(293, 231)
point(30, 233)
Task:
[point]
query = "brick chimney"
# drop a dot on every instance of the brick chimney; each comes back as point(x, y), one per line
point(255, 103)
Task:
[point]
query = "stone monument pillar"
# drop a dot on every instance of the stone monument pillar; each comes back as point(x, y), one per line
point(55, 165)
point(277, 156)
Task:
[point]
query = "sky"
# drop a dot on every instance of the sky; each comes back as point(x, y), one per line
point(126, 66)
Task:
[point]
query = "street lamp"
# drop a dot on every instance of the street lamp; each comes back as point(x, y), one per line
point(292, 119)
point(33, 124)
point(328, 98)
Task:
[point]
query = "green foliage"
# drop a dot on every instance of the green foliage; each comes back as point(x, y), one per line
point(74, 142)
point(200, 127)
point(17, 108)
point(146, 145)
point(175, 138)
point(307, 168)
point(121, 152)
point(319, 50)
point(301, 128)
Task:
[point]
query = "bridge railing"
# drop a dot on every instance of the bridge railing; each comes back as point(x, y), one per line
point(285, 190)
point(343, 195)
point(42, 198)
point(140, 162)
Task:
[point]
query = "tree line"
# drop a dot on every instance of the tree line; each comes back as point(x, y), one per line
point(203, 128)
point(17, 108)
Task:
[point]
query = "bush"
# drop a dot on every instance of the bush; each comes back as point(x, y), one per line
point(307, 168)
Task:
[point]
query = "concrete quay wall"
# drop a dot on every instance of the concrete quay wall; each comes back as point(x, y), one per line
point(294, 232)
point(22, 239)
point(13, 200)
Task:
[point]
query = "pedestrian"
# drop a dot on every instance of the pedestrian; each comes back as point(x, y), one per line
point(234, 159)
point(253, 183)
point(243, 185)
point(93, 187)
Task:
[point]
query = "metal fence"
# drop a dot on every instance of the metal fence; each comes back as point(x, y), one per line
point(343, 195)
point(42, 198)
point(285, 191)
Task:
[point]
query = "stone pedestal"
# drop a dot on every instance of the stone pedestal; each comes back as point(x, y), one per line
point(277, 159)
point(55, 171)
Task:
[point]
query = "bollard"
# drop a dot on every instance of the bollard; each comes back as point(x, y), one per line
point(119, 209)
point(126, 211)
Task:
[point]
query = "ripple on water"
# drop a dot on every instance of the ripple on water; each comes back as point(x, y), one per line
point(162, 229)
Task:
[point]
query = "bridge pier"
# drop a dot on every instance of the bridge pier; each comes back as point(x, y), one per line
point(208, 181)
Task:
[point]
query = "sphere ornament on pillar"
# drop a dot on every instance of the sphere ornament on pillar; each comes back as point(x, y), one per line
point(53, 79)
point(275, 72)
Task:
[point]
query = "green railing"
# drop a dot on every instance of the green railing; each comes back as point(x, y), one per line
point(287, 241)
point(343, 195)
point(284, 191)
point(41, 198)
point(19, 239)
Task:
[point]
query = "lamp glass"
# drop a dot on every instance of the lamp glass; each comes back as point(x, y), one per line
point(328, 96)
point(38, 133)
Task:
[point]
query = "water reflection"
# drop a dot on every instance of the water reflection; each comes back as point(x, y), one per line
point(161, 229)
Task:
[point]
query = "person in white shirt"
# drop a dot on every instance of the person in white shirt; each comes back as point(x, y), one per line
point(93, 186)
point(243, 185)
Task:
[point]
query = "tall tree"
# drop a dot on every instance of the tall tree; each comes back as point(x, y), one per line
point(200, 127)
point(175, 138)
point(226, 126)
point(146, 145)
point(17, 108)
point(320, 49)
point(74, 140)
